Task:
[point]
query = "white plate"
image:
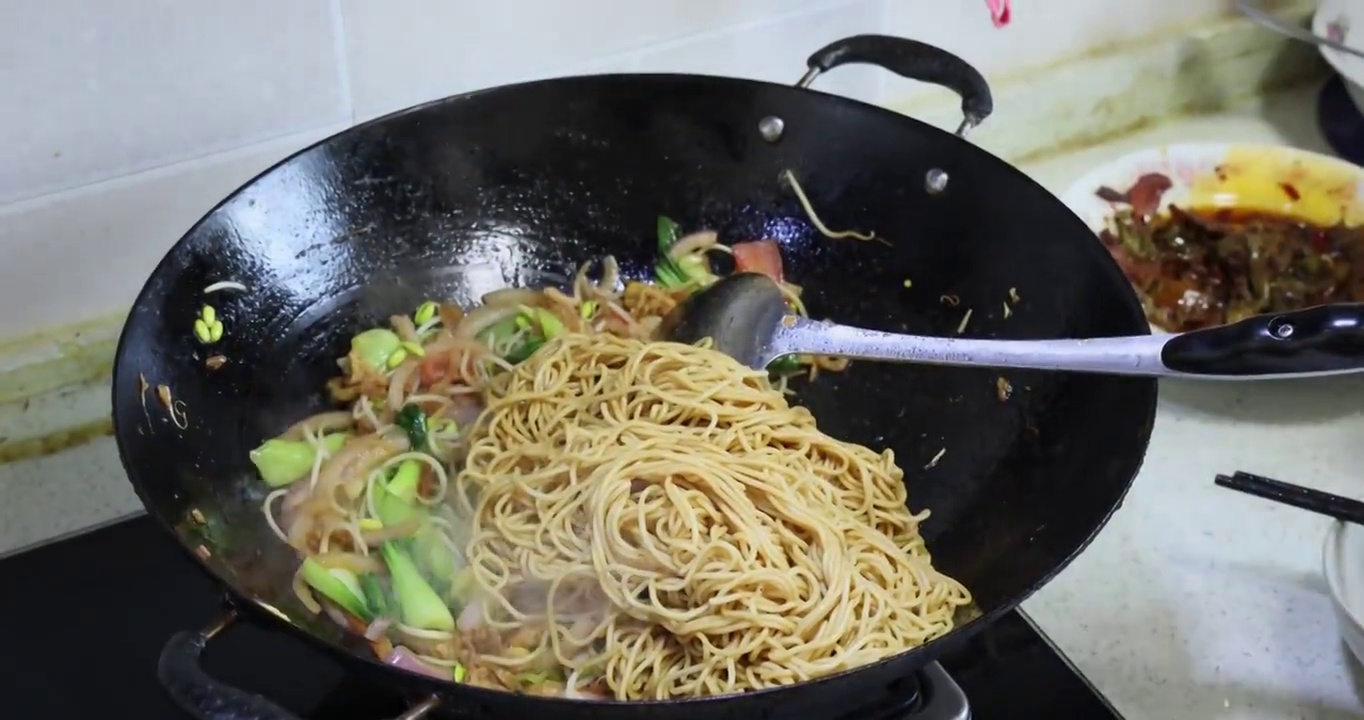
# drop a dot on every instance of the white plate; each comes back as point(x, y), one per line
point(1343, 565)
point(1255, 177)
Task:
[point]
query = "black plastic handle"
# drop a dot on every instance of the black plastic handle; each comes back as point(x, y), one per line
point(914, 60)
point(1321, 340)
point(199, 694)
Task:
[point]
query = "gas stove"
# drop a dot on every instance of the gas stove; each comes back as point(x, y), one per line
point(89, 614)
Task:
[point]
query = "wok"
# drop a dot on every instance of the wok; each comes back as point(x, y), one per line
point(517, 185)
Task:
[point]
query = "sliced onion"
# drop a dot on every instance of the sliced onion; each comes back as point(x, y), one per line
point(377, 628)
point(336, 615)
point(695, 242)
point(374, 538)
point(484, 317)
point(511, 296)
point(403, 658)
point(341, 560)
point(465, 413)
point(320, 423)
point(471, 617)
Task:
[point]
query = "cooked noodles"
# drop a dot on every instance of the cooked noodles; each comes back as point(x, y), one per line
point(538, 495)
point(657, 514)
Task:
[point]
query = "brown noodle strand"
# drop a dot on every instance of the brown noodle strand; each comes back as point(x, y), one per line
point(657, 514)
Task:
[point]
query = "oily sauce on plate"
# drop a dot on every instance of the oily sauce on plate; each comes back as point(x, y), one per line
point(1199, 267)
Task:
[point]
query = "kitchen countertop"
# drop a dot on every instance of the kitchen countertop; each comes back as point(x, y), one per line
point(1194, 602)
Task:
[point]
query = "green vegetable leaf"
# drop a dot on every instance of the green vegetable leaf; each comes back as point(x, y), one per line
point(668, 232)
point(412, 419)
point(674, 273)
point(524, 350)
point(374, 347)
point(785, 365)
point(396, 500)
point(418, 603)
point(376, 596)
point(281, 462)
point(434, 558)
point(337, 585)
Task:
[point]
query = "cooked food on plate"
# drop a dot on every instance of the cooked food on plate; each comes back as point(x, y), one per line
point(1195, 267)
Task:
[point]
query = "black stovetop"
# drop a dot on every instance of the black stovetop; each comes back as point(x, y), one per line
point(87, 617)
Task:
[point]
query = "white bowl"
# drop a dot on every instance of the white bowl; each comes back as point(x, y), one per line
point(1343, 565)
point(1324, 190)
point(1343, 21)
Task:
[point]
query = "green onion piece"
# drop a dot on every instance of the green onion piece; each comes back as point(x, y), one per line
point(460, 672)
point(201, 331)
point(587, 309)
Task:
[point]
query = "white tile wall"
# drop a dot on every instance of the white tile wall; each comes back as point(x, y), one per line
point(121, 122)
point(95, 90)
point(1041, 31)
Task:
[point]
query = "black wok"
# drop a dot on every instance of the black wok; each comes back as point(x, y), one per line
point(515, 186)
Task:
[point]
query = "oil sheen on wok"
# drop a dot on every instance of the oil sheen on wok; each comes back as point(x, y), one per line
point(536, 495)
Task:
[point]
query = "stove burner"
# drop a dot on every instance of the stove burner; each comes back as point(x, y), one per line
point(1340, 121)
point(930, 694)
point(1009, 670)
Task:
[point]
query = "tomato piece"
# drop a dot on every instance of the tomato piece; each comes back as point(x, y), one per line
point(434, 367)
point(759, 256)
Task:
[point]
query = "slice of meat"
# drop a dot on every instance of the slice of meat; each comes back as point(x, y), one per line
point(1144, 195)
point(759, 256)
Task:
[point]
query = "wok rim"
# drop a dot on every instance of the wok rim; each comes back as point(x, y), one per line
point(257, 611)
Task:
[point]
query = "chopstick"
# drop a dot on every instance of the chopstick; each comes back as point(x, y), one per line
point(1323, 503)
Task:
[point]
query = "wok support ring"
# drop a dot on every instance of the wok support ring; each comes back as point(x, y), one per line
point(206, 698)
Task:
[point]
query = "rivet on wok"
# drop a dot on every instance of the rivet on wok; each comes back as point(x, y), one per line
point(935, 181)
point(771, 128)
point(1283, 331)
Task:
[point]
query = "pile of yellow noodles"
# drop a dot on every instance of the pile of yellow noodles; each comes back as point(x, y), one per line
point(660, 518)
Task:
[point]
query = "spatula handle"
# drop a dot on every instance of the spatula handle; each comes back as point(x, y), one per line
point(1322, 340)
point(1327, 340)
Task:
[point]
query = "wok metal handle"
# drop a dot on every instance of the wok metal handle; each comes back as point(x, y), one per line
point(911, 59)
point(205, 698)
point(1323, 340)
